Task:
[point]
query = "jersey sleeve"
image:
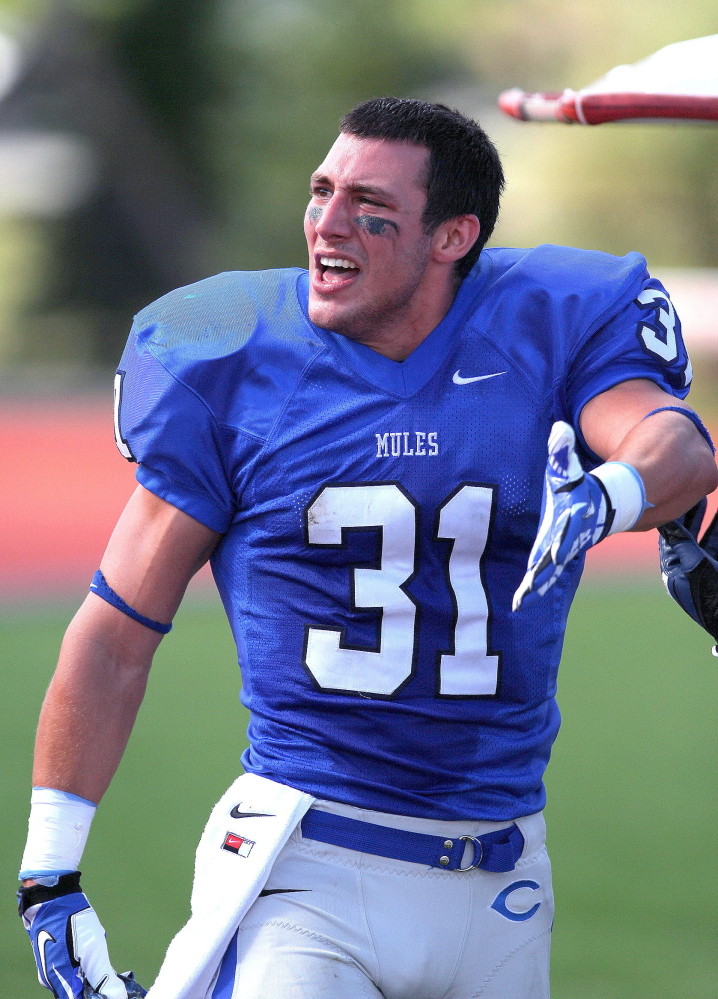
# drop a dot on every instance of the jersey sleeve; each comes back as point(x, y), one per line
point(642, 340)
point(170, 431)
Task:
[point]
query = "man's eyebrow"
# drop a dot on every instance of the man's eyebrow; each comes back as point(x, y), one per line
point(320, 178)
point(372, 189)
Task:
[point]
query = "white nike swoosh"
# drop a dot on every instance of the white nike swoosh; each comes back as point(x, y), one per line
point(458, 380)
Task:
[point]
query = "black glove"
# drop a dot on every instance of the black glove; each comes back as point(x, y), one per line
point(690, 567)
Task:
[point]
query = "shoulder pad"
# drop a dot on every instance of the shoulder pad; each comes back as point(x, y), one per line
point(217, 316)
point(595, 282)
point(238, 341)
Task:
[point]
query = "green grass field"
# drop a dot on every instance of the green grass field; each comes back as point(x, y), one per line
point(632, 795)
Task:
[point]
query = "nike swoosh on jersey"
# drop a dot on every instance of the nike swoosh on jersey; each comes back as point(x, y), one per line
point(458, 380)
point(236, 814)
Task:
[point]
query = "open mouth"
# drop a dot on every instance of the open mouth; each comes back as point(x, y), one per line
point(335, 271)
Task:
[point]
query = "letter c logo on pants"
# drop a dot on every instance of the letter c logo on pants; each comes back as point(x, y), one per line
point(500, 902)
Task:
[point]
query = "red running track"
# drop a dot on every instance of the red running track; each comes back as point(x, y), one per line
point(64, 485)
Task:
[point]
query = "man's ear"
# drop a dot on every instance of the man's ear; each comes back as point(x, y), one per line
point(454, 238)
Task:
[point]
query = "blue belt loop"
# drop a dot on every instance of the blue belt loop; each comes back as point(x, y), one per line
point(495, 851)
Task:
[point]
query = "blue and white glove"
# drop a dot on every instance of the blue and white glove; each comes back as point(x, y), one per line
point(69, 943)
point(579, 509)
point(689, 567)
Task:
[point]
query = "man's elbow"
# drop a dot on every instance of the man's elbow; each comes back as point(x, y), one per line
point(707, 472)
point(697, 477)
point(702, 480)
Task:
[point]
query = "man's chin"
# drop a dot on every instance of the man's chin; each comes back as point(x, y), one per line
point(363, 321)
point(339, 320)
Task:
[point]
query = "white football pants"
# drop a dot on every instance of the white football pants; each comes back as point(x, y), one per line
point(336, 924)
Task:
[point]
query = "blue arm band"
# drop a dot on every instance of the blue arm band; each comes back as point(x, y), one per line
point(693, 417)
point(102, 588)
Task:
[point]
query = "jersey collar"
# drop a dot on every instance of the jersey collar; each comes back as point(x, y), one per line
point(404, 378)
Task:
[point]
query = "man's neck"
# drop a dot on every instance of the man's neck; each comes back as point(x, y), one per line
point(405, 331)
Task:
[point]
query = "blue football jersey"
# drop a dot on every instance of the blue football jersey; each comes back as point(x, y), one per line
point(377, 516)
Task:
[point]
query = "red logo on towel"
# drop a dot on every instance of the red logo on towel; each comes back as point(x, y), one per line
point(237, 844)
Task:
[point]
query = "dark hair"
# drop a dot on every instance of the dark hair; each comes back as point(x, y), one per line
point(464, 175)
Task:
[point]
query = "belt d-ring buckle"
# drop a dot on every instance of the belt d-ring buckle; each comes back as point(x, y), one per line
point(480, 853)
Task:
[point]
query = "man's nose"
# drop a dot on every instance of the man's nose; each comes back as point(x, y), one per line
point(335, 221)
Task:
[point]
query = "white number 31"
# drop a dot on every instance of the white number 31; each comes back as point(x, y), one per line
point(469, 671)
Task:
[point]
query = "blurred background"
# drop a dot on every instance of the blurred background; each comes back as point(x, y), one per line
point(145, 144)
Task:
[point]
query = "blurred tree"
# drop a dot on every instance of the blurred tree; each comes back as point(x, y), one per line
point(164, 48)
point(617, 187)
point(294, 67)
point(137, 225)
point(202, 120)
point(205, 118)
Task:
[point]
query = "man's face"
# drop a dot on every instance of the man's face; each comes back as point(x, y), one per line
point(367, 247)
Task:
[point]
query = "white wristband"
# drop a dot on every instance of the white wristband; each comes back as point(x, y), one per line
point(625, 491)
point(57, 832)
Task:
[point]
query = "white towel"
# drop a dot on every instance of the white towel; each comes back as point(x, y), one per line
point(234, 858)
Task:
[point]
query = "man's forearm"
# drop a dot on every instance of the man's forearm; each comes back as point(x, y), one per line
point(92, 701)
point(667, 450)
point(100, 679)
point(675, 463)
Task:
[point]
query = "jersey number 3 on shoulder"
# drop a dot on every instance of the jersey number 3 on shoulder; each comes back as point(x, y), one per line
point(470, 671)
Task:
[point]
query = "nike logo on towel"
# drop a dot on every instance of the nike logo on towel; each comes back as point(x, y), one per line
point(458, 380)
point(280, 891)
point(236, 814)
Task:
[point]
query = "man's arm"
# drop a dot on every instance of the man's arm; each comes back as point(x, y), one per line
point(657, 467)
point(85, 723)
point(94, 696)
point(667, 450)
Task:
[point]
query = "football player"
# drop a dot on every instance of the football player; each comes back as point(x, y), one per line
point(360, 449)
